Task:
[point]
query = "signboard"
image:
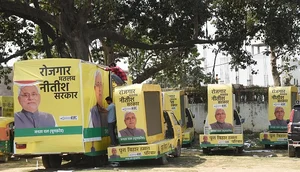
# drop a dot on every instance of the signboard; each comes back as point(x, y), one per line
point(214, 140)
point(151, 151)
point(220, 108)
point(274, 138)
point(56, 103)
point(178, 105)
point(281, 100)
point(139, 113)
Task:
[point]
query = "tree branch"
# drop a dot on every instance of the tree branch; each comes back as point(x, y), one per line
point(149, 72)
point(33, 47)
point(84, 12)
point(25, 11)
point(94, 34)
point(19, 53)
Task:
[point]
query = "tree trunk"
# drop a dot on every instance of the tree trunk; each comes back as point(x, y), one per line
point(108, 53)
point(79, 47)
point(74, 30)
point(275, 73)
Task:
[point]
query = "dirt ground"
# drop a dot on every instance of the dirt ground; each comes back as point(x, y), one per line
point(254, 159)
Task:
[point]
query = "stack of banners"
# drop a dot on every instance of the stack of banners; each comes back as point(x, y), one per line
point(139, 114)
point(6, 106)
point(281, 101)
point(58, 102)
point(220, 108)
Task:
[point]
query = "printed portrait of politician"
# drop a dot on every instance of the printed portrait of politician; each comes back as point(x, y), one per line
point(205, 140)
point(131, 130)
point(279, 114)
point(98, 115)
point(30, 117)
point(114, 154)
point(266, 139)
point(220, 124)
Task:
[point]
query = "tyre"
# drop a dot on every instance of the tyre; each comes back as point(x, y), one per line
point(4, 158)
point(45, 160)
point(267, 146)
point(163, 160)
point(55, 161)
point(297, 152)
point(96, 161)
point(291, 151)
point(177, 152)
point(240, 150)
point(206, 150)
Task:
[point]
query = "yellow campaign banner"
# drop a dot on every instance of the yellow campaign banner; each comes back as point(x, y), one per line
point(95, 87)
point(220, 108)
point(188, 136)
point(130, 114)
point(135, 152)
point(273, 138)
point(6, 106)
point(139, 113)
point(177, 105)
point(212, 140)
point(48, 105)
point(281, 100)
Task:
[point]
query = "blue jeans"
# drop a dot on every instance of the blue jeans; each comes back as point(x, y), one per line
point(117, 79)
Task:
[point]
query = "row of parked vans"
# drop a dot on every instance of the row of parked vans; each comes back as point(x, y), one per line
point(57, 115)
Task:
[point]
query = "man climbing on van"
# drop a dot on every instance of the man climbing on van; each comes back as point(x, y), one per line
point(119, 76)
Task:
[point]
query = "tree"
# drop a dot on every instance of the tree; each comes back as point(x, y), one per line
point(274, 22)
point(70, 28)
point(279, 22)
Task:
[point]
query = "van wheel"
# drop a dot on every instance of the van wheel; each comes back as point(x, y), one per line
point(51, 161)
point(4, 158)
point(297, 152)
point(55, 161)
point(46, 162)
point(177, 152)
point(267, 146)
point(291, 151)
point(163, 160)
point(96, 161)
point(240, 150)
point(206, 150)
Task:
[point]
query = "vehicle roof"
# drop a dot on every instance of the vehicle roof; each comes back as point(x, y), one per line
point(5, 120)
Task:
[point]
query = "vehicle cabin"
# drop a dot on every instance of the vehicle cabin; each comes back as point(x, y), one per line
point(6, 138)
point(6, 106)
point(294, 131)
point(180, 107)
